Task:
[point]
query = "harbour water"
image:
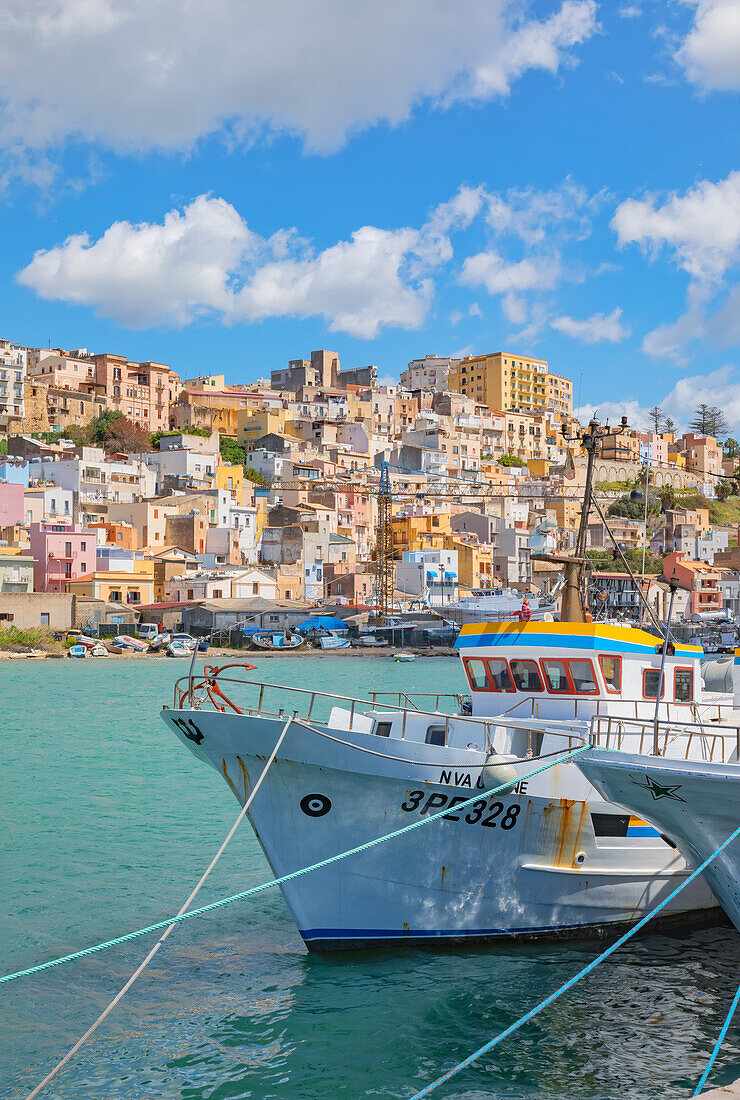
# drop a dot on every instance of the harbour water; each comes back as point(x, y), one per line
point(105, 825)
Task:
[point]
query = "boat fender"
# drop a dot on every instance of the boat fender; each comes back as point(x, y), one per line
point(497, 770)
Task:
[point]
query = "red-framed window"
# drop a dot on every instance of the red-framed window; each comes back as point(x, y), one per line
point(475, 670)
point(527, 676)
point(556, 676)
point(650, 681)
point(488, 674)
point(683, 685)
point(499, 674)
point(611, 670)
point(570, 677)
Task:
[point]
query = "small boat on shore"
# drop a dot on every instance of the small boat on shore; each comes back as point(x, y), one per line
point(333, 640)
point(159, 641)
point(77, 650)
point(277, 640)
point(99, 650)
point(178, 649)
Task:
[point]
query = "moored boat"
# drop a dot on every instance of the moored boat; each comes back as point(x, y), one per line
point(549, 858)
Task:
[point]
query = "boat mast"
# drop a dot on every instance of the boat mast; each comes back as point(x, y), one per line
point(574, 601)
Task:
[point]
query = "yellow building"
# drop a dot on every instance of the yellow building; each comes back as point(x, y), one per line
point(420, 532)
point(251, 426)
point(474, 562)
point(117, 586)
point(503, 381)
point(231, 478)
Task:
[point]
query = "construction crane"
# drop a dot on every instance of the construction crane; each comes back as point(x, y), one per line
point(442, 488)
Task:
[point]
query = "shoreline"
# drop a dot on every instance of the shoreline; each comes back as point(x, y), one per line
point(246, 654)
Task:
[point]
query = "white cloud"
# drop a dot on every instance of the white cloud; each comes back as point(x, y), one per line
point(499, 276)
point(206, 260)
point(138, 75)
point(710, 53)
point(537, 216)
point(720, 387)
point(701, 227)
point(613, 411)
point(630, 11)
point(598, 329)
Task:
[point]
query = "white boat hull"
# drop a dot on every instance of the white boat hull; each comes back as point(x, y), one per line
point(507, 866)
point(696, 803)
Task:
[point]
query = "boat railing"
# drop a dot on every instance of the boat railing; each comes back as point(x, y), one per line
point(189, 692)
point(679, 739)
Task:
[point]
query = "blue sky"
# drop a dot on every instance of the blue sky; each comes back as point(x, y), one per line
point(229, 188)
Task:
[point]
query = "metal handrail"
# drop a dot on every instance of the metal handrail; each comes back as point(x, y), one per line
point(673, 729)
point(533, 726)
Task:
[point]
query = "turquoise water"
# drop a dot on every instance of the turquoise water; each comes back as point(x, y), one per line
point(106, 822)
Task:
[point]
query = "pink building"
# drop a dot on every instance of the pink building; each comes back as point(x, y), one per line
point(11, 504)
point(61, 552)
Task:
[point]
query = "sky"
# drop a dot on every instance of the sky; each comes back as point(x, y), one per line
point(224, 186)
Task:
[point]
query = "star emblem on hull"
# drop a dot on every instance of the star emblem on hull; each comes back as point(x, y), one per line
point(659, 790)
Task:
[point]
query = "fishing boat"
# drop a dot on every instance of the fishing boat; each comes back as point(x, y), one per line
point(99, 650)
point(178, 649)
point(551, 857)
point(277, 640)
point(77, 650)
point(333, 640)
point(546, 856)
point(404, 658)
point(684, 779)
point(160, 641)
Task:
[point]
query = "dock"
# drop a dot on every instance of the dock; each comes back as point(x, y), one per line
point(727, 1092)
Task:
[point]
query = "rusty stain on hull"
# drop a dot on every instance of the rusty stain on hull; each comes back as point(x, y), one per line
point(564, 832)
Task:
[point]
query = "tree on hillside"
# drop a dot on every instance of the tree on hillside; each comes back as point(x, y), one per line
point(731, 448)
point(124, 435)
point(656, 419)
point(255, 476)
point(100, 425)
point(725, 489)
point(709, 420)
point(232, 452)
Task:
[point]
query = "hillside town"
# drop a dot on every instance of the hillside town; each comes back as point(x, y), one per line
point(129, 495)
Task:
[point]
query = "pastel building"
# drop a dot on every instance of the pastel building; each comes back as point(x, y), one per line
point(61, 553)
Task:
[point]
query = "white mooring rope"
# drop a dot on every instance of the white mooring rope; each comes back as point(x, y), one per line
point(142, 966)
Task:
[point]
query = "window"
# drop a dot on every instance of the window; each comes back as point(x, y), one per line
point(115, 596)
point(383, 729)
point(190, 593)
point(68, 549)
point(556, 676)
point(255, 588)
point(583, 677)
point(44, 618)
point(476, 670)
point(684, 685)
point(435, 735)
point(499, 675)
point(217, 594)
point(650, 681)
point(83, 547)
point(611, 670)
point(526, 676)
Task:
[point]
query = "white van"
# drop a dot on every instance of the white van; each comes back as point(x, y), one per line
point(148, 631)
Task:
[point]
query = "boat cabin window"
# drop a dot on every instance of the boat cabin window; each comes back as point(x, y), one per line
point(611, 668)
point(650, 681)
point(476, 670)
point(582, 675)
point(435, 735)
point(557, 677)
point(498, 671)
point(527, 676)
point(684, 685)
point(383, 729)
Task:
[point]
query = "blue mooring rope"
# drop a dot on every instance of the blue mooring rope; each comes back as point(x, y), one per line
point(718, 1044)
point(582, 974)
point(287, 878)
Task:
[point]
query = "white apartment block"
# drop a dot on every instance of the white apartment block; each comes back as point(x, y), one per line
point(13, 372)
point(429, 373)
